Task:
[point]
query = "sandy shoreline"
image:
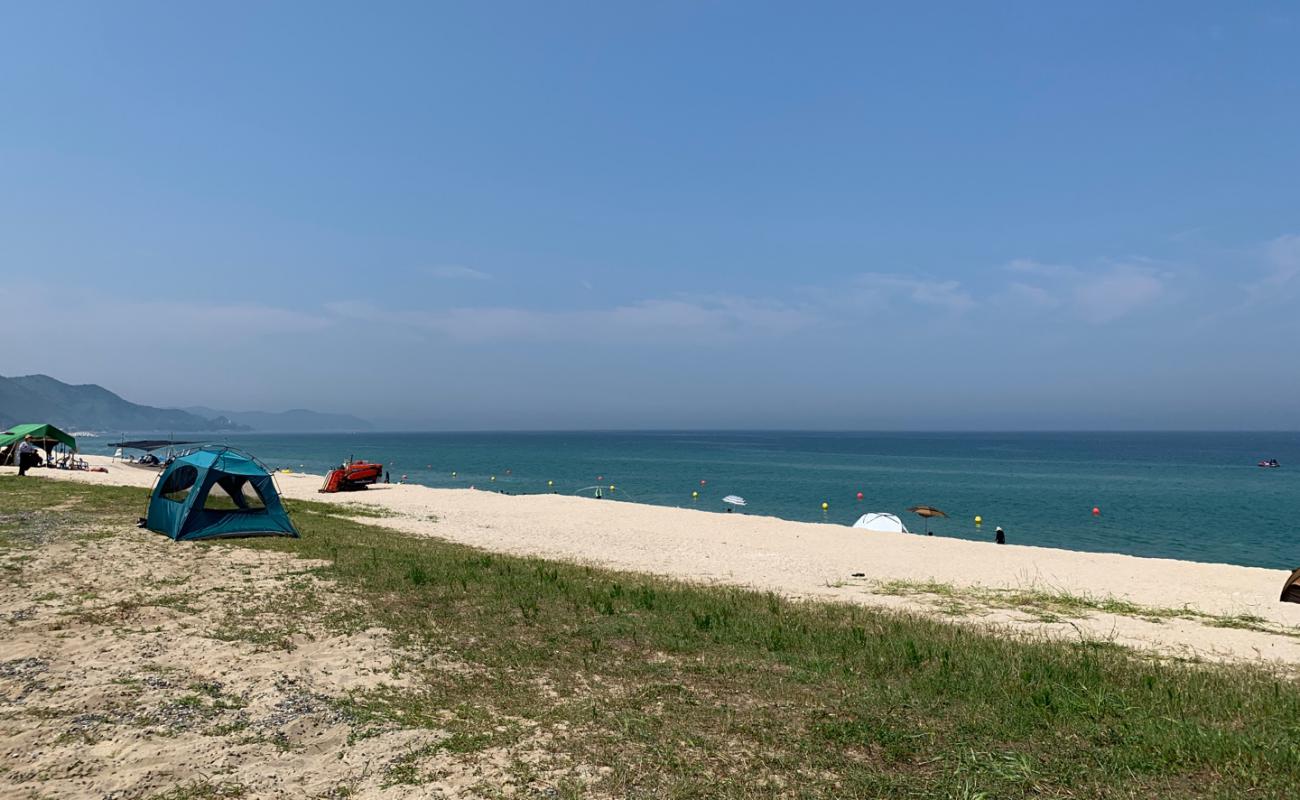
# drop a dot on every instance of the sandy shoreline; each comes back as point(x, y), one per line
point(1231, 612)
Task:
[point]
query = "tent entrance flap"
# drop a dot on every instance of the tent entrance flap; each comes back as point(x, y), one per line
point(234, 493)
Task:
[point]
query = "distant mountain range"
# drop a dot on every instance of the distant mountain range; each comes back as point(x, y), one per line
point(88, 407)
point(40, 398)
point(296, 420)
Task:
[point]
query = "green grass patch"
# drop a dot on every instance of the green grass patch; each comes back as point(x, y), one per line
point(202, 790)
point(688, 691)
point(360, 510)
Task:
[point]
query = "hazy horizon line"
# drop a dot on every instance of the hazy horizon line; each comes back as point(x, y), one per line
point(828, 431)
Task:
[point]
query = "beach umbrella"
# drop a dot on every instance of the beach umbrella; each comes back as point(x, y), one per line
point(734, 499)
point(927, 512)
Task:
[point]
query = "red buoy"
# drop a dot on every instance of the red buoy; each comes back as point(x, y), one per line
point(703, 482)
point(1096, 512)
point(859, 495)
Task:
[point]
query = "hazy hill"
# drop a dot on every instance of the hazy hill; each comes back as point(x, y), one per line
point(297, 420)
point(40, 398)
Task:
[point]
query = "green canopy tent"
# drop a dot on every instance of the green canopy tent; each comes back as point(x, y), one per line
point(45, 436)
point(217, 491)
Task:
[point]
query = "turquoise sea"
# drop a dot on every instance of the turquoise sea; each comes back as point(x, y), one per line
point(1196, 496)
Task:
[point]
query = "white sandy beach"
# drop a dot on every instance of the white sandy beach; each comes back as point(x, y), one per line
point(818, 560)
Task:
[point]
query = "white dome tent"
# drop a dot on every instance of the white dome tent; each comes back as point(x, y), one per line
point(880, 522)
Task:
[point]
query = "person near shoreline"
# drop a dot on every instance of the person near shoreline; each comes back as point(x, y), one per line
point(999, 536)
point(26, 455)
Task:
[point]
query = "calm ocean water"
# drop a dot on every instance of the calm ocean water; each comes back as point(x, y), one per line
point(1197, 496)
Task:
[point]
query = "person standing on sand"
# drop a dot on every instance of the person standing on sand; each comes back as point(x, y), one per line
point(26, 455)
point(999, 537)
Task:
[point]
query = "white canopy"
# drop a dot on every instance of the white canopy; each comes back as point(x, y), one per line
point(881, 522)
point(735, 500)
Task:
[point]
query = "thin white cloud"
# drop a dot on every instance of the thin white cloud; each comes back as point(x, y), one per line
point(1028, 266)
point(193, 340)
point(1028, 296)
point(1116, 293)
point(103, 314)
point(1098, 295)
point(943, 293)
point(1281, 279)
point(456, 272)
point(699, 320)
point(233, 321)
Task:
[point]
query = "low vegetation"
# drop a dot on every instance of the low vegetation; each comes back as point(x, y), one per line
point(1051, 606)
point(640, 687)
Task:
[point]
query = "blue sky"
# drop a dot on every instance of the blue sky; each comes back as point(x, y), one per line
point(593, 215)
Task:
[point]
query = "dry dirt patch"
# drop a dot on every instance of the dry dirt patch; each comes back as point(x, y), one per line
point(135, 667)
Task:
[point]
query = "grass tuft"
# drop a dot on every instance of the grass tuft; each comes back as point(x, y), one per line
point(1056, 606)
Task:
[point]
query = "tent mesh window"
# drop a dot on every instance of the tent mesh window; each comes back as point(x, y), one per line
point(179, 483)
point(234, 494)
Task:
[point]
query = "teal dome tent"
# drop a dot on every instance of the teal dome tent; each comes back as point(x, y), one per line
point(217, 491)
